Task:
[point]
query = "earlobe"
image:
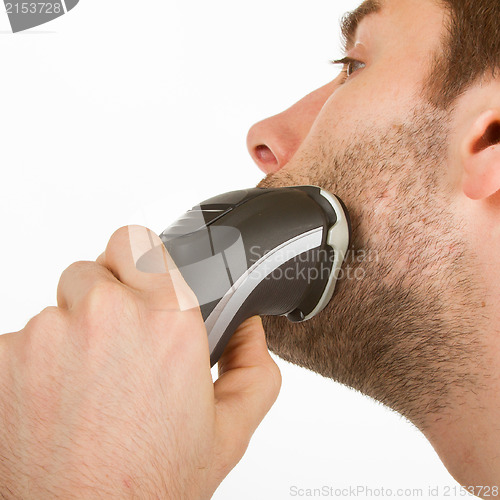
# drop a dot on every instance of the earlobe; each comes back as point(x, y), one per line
point(481, 156)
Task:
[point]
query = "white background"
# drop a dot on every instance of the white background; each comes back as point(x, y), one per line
point(127, 112)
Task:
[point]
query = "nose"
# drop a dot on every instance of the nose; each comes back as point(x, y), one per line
point(273, 142)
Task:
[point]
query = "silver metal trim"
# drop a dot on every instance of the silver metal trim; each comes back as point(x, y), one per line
point(219, 319)
point(338, 239)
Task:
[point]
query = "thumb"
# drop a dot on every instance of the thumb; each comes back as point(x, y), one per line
point(248, 385)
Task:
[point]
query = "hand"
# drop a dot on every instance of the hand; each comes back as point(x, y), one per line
point(110, 393)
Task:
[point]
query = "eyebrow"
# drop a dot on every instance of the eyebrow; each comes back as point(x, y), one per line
point(350, 21)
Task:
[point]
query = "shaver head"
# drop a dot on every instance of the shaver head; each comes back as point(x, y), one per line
point(260, 251)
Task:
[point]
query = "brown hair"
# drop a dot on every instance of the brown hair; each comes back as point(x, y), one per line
point(471, 49)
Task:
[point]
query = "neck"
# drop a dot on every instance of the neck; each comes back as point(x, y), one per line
point(467, 435)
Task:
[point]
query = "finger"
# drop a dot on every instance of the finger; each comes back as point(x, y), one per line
point(248, 385)
point(78, 279)
point(138, 258)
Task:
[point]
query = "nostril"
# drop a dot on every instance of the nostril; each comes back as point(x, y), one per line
point(265, 155)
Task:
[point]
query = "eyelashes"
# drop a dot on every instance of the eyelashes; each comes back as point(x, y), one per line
point(348, 65)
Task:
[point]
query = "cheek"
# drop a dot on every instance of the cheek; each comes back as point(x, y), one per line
point(377, 211)
point(334, 121)
point(369, 99)
point(384, 202)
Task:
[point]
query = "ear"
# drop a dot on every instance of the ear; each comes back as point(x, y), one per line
point(480, 151)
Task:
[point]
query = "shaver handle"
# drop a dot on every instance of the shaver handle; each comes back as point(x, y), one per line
point(250, 252)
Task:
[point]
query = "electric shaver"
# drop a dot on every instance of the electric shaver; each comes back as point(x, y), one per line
point(260, 251)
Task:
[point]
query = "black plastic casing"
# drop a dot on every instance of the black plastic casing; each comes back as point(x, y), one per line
point(216, 243)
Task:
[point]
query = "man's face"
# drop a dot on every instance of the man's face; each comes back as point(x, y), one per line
point(401, 324)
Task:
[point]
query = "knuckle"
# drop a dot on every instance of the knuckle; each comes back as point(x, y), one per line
point(73, 272)
point(106, 290)
point(104, 297)
point(106, 306)
point(79, 265)
point(121, 231)
point(43, 331)
point(46, 320)
point(117, 239)
point(76, 268)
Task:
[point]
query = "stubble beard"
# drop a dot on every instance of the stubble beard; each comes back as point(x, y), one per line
point(402, 325)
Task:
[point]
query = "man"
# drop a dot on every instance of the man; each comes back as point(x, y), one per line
point(409, 138)
point(100, 398)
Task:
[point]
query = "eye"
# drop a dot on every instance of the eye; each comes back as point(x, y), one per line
point(350, 65)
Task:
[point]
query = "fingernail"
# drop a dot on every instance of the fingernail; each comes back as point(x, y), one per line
point(148, 250)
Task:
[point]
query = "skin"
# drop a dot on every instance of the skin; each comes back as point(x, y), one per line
point(101, 399)
point(418, 330)
point(110, 394)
